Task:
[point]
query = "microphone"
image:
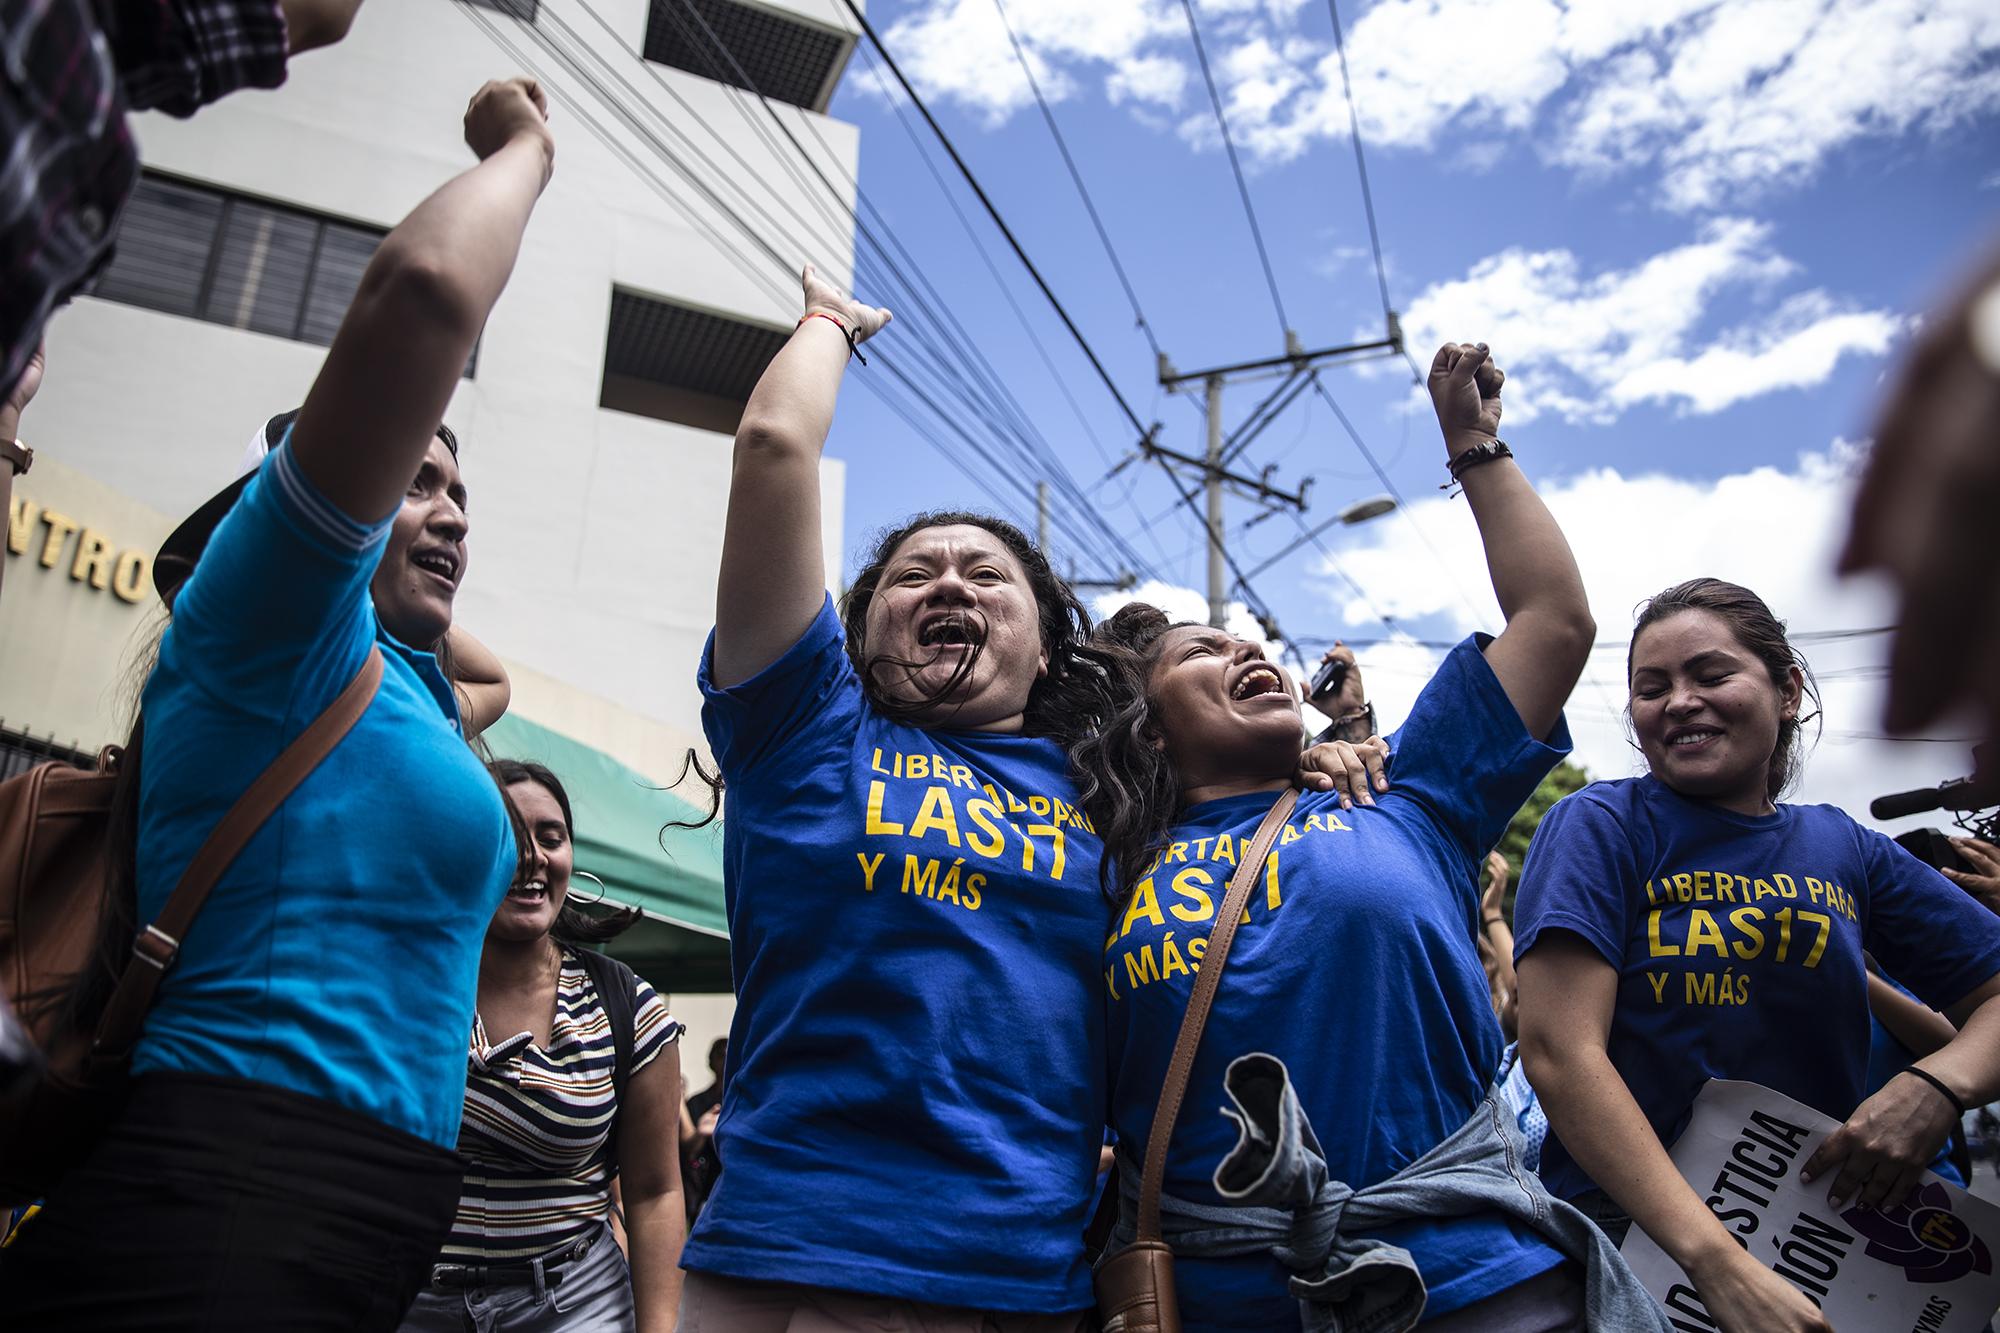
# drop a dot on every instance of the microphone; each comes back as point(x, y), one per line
point(1957, 794)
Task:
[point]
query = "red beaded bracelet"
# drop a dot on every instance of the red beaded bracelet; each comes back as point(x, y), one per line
point(853, 349)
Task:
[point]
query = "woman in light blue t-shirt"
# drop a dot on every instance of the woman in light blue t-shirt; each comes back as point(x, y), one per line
point(1687, 925)
point(284, 1159)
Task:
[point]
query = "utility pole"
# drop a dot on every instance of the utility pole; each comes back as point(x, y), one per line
point(1296, 362)
point(1042, 516)
point(1218, 584)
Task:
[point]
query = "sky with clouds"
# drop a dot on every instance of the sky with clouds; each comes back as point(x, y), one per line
point(1696, 233)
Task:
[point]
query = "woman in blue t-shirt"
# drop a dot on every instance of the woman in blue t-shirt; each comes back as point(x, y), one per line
point(1356, 964)
point(284, 1159)
point(1684, 925)
point(915, 1099)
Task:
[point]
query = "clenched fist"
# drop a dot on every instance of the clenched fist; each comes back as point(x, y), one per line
point(505, 110)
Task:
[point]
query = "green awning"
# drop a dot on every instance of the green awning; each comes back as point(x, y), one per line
point(673, 875)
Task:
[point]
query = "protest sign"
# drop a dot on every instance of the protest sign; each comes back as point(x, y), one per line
point(1925, 1267)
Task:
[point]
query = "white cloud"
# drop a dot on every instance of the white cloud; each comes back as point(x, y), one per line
point(958, 49)
point(1589, 345)
point(1770, 529)
point(1722, 99)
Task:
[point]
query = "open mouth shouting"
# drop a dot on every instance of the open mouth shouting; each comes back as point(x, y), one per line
point(950, 629)
point(1255, 680)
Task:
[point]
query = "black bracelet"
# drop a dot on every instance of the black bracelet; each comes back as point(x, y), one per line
point(1462, 462)
point(1937, 1083)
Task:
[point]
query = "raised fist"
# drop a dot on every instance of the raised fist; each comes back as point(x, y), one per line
point(1465, 390)
point(823, 297)
point(505, 110)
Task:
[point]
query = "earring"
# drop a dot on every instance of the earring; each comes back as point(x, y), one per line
point(585, 874)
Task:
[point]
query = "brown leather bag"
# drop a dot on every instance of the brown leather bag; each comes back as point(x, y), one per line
point(54, 894)
point(1135, 1287)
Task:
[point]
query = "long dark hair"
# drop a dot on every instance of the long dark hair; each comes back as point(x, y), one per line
point(1065, 704)
point(1126, 781)
point(1763, 635)
point(573, 926)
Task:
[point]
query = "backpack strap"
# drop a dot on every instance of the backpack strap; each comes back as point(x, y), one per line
point(615, 984)
point(156, 947)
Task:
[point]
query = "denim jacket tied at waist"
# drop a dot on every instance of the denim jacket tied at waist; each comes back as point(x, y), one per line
point(1284, 1203)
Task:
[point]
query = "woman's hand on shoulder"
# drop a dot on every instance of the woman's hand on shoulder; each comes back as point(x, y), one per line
point(1881, 1153)
point(823, 298)
point(1355, 771)
point(1743, 1296)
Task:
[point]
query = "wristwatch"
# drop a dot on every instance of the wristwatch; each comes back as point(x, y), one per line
point(17, 455)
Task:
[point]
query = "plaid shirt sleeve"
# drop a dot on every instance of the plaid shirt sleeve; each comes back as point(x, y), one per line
point(68, 164)
point(69, 70)
point(177, 56)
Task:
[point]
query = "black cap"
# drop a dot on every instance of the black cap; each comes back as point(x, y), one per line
point(184, 545)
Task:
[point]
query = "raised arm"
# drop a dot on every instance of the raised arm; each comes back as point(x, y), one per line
point(1567, 995)
point(370, 415)
point(480, 679)
point(773, 578)
point(1540, 654)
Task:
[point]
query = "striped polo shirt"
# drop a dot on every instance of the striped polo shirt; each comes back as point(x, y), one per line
point(537, 1128)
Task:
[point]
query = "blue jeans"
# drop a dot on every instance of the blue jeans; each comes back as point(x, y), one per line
point(594, 1296)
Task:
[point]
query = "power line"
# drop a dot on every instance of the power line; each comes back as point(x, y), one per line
point(1360, 161)
point(999, 402)
point(1402, 505)
point(1062, 146)
point(949, 421)
point(1187, 498)
point(1242, 187)
point(993, 212)
point(1036, 447)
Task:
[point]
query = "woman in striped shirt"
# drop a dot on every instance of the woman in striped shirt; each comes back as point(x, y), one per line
point(548, 1129)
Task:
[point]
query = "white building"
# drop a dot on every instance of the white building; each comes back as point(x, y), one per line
point(596, 418)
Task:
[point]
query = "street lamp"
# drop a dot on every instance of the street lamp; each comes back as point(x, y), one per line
point(1362, 510)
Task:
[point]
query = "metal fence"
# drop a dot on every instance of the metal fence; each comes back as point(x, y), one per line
point(22, 750)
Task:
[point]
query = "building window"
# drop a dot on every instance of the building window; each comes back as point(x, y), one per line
point(780, 56)
point(682, 365)
point(525, 10)
point(226, 258)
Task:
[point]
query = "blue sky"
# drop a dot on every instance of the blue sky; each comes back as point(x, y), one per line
point(1696, 234)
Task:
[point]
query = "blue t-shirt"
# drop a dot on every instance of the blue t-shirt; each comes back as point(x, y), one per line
point(1357, 968)
point(339, 955)
point(915, 1099)
point(1738, 942)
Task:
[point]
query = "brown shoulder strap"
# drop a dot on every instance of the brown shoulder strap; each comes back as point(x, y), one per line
point(154, 951)
point(1199, 1003)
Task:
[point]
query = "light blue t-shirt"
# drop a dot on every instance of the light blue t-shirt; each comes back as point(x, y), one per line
point(339, 955)
point(1738, 939)
point(915, 1099)
point(1357, 968)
